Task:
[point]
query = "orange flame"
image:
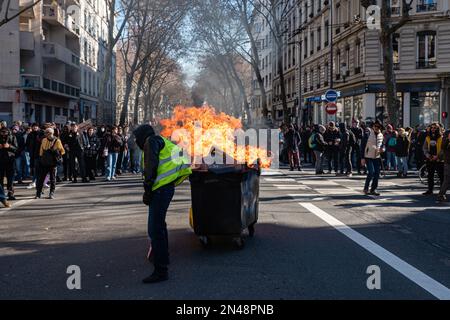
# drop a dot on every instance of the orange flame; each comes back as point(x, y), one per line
point(217, 131)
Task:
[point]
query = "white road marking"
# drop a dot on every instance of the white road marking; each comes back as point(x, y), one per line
point(418, 277)
point(270, 173)
point(291, 187)
point(319, 183)
point(279, 179)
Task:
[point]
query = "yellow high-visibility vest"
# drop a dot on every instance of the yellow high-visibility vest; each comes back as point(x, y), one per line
point(172, 167)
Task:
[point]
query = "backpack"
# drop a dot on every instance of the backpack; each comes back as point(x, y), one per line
point(50, 157)
point(312, 141)
point(392, 142)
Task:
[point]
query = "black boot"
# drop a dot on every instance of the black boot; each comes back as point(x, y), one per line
point(157, 276)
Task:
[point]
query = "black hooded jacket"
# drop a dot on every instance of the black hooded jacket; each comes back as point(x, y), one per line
point(152, 145)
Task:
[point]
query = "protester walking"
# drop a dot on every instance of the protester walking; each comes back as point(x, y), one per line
point(402, 152)
point(446, 183)
point(91, 153)
point(432, 149)
point(372, 159)
point(113, 144)
point(318, 145)
point(51, 153)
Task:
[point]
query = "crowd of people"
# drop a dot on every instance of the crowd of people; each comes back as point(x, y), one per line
point(367, 148)
point(50, 153)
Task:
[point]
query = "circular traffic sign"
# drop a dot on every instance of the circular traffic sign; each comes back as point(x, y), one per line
point(331, 95)
point(331, 108)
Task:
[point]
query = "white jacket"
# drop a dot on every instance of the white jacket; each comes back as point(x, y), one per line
point(374, 144)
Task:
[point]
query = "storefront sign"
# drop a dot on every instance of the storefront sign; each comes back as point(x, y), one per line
point(60, 119)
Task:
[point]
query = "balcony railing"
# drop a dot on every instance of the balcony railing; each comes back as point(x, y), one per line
point(425, 64)
point(53, 13)
point(425, 7)
point(55, 51)
point(54, 86)
point(396, 66)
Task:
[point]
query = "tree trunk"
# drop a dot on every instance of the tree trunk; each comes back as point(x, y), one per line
point(287, 119)
point(388, 64)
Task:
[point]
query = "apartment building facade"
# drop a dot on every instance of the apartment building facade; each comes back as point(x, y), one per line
point(41, 73)
point(338, 51)
point(264, 42)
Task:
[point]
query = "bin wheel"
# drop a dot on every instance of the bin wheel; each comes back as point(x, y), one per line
point(251, 230)
point(239, 243)
point(205, 241)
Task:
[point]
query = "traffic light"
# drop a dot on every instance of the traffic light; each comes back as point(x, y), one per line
point(444, 115)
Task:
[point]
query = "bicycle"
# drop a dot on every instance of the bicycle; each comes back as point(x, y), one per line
point(423, 176)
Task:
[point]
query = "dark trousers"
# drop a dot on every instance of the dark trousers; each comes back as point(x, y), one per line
point(101, 165)
point(7, 171)
point(294, 161)
point(43, 171)
point(81, 170)
point(356, 156)
point(332, 157)
point(373, 174)
point(433, 167)
point(157, 228)
point(345, 161)
point(446, 184)
point(67, 170)
point(119, 162)
point(91, 166)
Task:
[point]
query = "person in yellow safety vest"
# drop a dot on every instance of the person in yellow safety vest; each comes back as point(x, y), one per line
point(432, 149)
point(164, 169)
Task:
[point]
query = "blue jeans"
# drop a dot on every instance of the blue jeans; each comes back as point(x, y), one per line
point(157, 228)
point(22, 166)
point(373, 174)
point(136, 161)
point(2, 193)
point(112, 161)
point(402, 163)
point(391, 161)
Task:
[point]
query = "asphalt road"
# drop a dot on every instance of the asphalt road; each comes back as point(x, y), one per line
point(315, 239)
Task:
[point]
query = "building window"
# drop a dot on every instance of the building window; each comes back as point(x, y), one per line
point(395, 7)
point(426, 5)
point(381, 108)
point(424, 108)
point(396, 50)
point(312, 43)
point(327, 33)
point(338, 64)
point(426, 49)
point(326, 73)
point(357, 56)
point(319, 38)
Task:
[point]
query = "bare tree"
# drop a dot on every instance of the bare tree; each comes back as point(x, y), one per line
point(4, 13)
point(249, 49)
point(153, 31)
point(217, 32)
point(114, 9)
point(275, 14)
point(388, 30)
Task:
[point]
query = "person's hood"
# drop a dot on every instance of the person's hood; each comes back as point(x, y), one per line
point(342, 127)
point(142, 133)
point(322, 129)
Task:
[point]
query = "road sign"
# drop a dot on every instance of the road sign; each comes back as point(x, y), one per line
point(331, 108)
point(331, 95)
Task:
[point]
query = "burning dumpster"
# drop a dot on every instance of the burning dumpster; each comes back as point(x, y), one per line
point(224, 196)
point(225, 202)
